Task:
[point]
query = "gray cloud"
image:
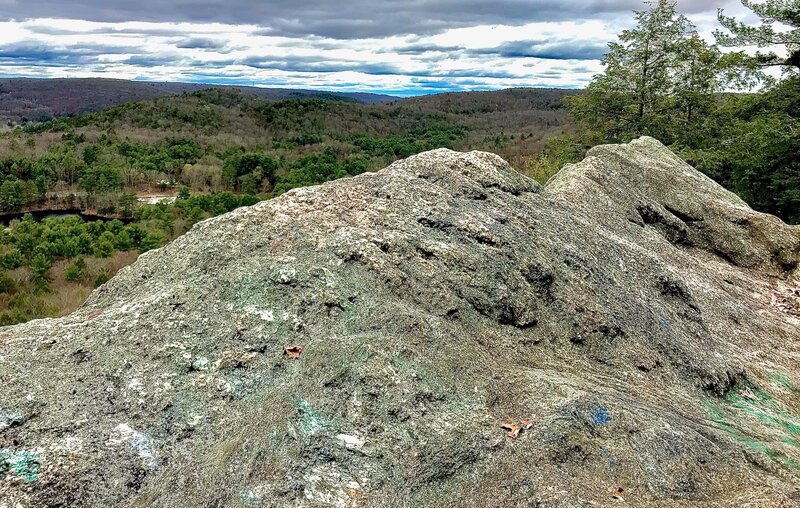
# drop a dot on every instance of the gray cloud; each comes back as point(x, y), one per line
point(201, 43)
point(36, 51)
point(340, 20)
point(27, 53)
point(156, 60)
point(105, 30)
point(551, 50)
point(466, 73)
point(541, 48)
point(318, 64)
point(422, 48)
point(39, 53)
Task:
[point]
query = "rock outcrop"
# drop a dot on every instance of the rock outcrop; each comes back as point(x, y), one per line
point(445, 332)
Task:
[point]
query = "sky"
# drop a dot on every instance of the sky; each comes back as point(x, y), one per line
point(399, 47)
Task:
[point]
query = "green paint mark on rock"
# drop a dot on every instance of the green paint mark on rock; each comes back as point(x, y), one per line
point(750, 403)
point(759, 404)
point(719, 419)
point(24, 464)
point(784, 381)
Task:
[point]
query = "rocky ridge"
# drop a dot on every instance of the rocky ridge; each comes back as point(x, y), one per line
point(445, 332)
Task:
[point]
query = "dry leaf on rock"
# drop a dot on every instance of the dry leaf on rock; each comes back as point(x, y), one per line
point(512, 430)
point(293, 352)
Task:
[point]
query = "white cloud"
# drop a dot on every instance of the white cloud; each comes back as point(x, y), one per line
point(537, 53)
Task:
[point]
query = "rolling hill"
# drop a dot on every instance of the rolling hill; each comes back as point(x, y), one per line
point(512, 123)
point(27, 99)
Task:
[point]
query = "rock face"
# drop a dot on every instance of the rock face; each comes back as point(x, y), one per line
point(378, 341)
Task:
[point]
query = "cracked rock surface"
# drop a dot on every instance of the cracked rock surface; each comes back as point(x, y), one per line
point(445, 332)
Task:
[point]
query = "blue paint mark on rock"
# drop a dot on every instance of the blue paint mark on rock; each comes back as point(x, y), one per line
point(606, 453)
point(600, 416)
point(665, 324)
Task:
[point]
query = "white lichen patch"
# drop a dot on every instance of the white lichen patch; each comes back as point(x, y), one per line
point(68, 445)
point(293, 320)
point(138, 442)
point(326, 276)
point(136, 385)
point(286, 274)
point(194, 419)
point(250, 497)
point(350, 442)
point(223, 385)
point(264, 314)
point(9, 419)
point(202, 381)
point(330, 487)
point(201, 363)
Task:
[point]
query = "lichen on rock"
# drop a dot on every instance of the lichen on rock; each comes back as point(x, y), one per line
point(23, 464)
point(638, 317)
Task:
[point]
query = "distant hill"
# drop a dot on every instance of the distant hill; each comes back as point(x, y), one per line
point(27, 99)
point(510, 99)
point(513, 123)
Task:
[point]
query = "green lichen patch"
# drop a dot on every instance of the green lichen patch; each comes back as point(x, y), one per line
point(310, 422)
point(24, 464)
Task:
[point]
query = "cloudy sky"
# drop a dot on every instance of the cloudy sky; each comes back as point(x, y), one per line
point(402, 47)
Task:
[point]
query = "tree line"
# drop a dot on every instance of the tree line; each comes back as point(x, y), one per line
point(105, 170)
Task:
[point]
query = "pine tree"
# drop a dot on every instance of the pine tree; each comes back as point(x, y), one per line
point(765, 35)
point(658, 76)
point(696, 78)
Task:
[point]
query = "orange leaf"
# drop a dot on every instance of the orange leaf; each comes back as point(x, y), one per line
point(292, 352)
point(512, 429)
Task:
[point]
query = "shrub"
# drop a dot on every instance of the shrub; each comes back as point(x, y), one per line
point(123, 241)
point(7, 284)
point(104, 249)
point(76, 271)
point(153, 241)
point(11, 260)
point(101, 279)
point(40, 265)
